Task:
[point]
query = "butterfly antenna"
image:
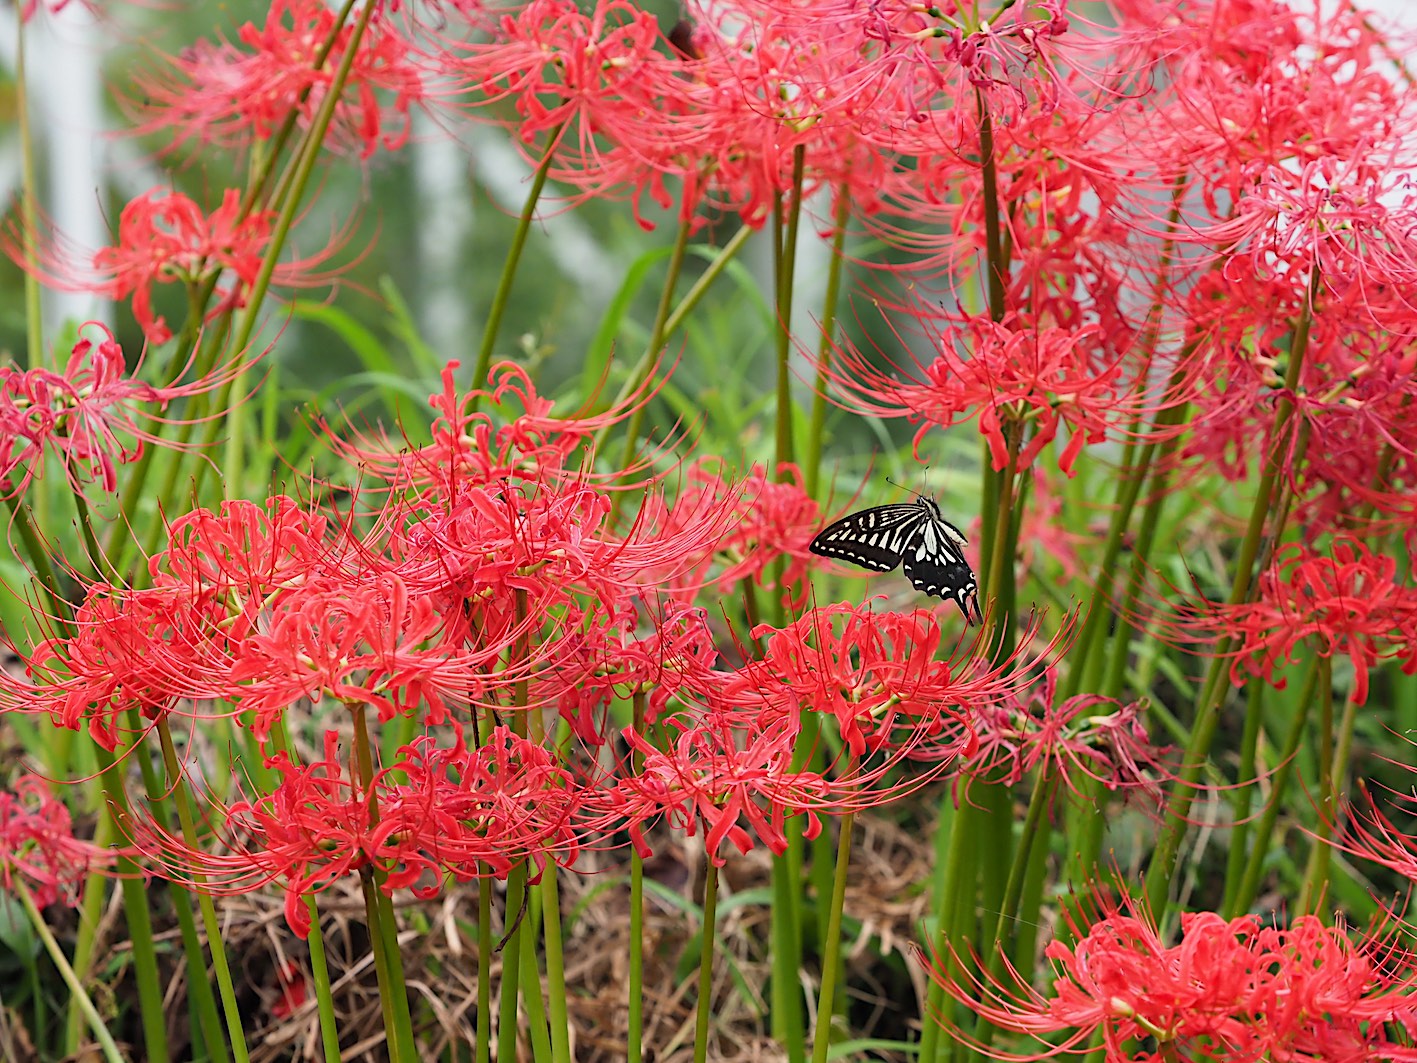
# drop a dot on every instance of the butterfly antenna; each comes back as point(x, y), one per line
point(912, 490)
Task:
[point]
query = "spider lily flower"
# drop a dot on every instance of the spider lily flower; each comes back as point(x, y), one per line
point(38, 847)
point(232, 93)
point(1226, 990)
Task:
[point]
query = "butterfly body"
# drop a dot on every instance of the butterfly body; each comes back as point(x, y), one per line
point(913, 534)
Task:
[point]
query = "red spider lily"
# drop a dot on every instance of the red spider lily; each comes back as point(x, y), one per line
point(656, 650)
point(466, 812)
point(731, 776)
point(471, 448)
point(84, 413)
point(1085, 737)
point(1345, 602)
point(1041, 380)
point(875, 673)
point(1232, 990)
point(765, 522)
point(38, 847)
point(228, 94)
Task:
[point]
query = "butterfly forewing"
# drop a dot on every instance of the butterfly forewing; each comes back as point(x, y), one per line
point(931, 548)
point(873, 538)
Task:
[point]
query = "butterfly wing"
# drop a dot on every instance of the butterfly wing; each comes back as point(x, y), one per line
point(873, 538)
point(935, 564)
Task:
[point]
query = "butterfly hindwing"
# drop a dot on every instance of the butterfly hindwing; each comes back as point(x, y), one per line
point(914, 533)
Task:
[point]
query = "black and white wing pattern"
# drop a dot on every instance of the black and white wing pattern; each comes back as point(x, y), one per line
point(913, 533)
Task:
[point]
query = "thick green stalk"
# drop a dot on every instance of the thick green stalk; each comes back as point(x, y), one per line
point(1316, 673)
point(139, 919)
point(558, 1016)
point(787, 268)
point(378, 944)
point(831, 955)
point(509, 265)
point(231, 1009)
point(634, 1048)
point(1272, 482)
point(483, 1047)
point(1246, 782)
point(812, 460)
point(516, 899)
point(531, 993)
point(385, 925)
point(997, 264)
point(29, 207)
point(1032, 833)
point(950, 845)
point(105, 1039)
point(199, 990)
point(1332, 769)
point(320, 975)
point(704, 1012)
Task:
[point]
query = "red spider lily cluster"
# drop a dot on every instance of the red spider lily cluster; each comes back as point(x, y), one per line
point(1227, 990)
point(1176, 246)
point(38, 847)
point(492, 578)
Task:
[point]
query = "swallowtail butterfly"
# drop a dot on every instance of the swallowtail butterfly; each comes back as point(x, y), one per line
point(932, 549)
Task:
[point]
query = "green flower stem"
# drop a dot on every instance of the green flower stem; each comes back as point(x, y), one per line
point(551, 935)
point(705, 1007)
point(29, 207)
point(483, 1046)
point(1033, 833)
point(1277, 462)
point(949, 848)
point(517, 900)
point(90, 912)
point(786, 273)
point(634, 1047)
point(43, 568)
point(385, 924)
point(812, 460)
point(997, 262)
point(657, 334)
point(1246, 782)
point(76, 987)
point(831, 955)
point(1002, 549)
point(378, 944)
point(1333, 766)
point(320, 975)
point(700, 287)
point(231, 1009)
point(531, 992)
point(1316, 673)
point(199, 990)
point(139, 920)
point(502, 296)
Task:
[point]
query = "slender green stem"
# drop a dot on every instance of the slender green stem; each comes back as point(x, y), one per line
point(105, 1039)
point(1264, 830)
point(385, 924)
point(700, 287)
point(483, 1045)
point(657, 335)
point(531, 993)
point(378, 944)
point(139, 919)
point(1333, 766)
point(997, 265)
point(1280, 456)
point(1044, 787)
point(1246, 782)
point(949, 852)
point(90, 911)
point(199, 990)
point(634, 1048)
point(517, 899)
point(502, 296)
point(812, 461)
point(787, 268)
point(705, 1008)
point(320, 975)
point(231, 1008)
point(831, 956)
point(29, 207)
